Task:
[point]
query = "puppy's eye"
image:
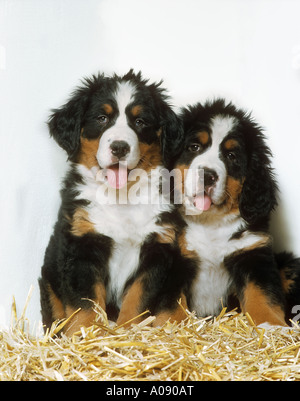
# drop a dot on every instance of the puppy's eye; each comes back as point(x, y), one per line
point(231, 156)
point(195, 147)
point(103, 120)
point(139, 123)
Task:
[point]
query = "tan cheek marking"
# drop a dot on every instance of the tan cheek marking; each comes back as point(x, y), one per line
point(176, 315)
point(88, 152)
point(80, 224)
point(150, 156)
point(259, 308)
point(234, 189)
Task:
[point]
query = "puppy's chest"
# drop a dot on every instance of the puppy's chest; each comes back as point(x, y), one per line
point(212, 283)
point(128, 220)
point(124, 223)
point(128, 225)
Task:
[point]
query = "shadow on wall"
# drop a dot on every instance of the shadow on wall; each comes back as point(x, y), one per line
point(280, 231)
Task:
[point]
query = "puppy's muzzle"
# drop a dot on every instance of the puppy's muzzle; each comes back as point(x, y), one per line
point(210, 179)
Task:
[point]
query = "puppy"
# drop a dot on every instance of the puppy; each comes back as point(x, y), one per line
point(227, 188)
point(115, 240)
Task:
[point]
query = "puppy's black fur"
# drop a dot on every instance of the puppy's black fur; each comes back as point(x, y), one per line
point(87, 256)
point(232, 242)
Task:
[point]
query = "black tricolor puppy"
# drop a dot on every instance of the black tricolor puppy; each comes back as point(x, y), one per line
point(228, 189)
point(114, 242)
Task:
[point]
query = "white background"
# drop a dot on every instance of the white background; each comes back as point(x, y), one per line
point(247, 51)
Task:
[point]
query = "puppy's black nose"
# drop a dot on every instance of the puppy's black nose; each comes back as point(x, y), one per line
point(210, 177)
point(119, 148)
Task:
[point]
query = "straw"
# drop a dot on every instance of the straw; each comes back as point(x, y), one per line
point(228, 347)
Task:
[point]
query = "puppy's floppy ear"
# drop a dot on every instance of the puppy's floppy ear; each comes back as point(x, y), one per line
point(171, 137)
point(65, 123)
point(258, 196)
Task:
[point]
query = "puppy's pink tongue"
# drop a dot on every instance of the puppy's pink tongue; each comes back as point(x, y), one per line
point(202, 202)
point(117, 176)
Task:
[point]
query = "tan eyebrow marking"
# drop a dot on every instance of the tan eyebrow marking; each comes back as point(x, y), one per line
point(203, 137)
point(107, 108)
point(231, 144)
point(136, 110)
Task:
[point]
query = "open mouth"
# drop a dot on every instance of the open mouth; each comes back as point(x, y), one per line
point(117, 175)
point(202, 201)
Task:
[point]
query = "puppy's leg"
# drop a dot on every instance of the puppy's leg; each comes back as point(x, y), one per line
point(258, 285)
point(86, 316)
point(177, 314)
point(74, 276)
point(260, 307)
point(132, 304)
point(51, 307)
point(162, 279)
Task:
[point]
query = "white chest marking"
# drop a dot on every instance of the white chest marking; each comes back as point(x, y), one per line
point(212, 244)
point(127, 224)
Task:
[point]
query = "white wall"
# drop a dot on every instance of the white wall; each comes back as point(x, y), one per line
point(248, 51)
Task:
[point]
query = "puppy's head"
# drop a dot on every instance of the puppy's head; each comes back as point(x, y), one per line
point(116, 124)
point(225, 163)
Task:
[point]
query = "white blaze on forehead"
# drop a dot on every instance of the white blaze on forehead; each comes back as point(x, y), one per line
point(124, 95)
point(120, 131)
point(220, 126)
